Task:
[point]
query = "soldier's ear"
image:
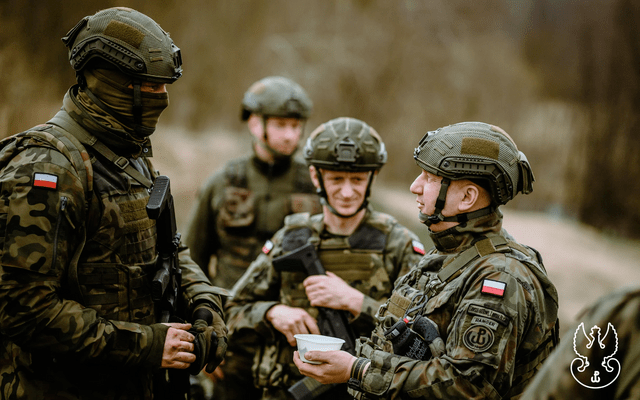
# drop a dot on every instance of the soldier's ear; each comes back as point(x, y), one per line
point(470, 196)
point(313, 173)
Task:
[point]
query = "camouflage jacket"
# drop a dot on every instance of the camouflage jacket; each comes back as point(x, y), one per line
point(87, 331)
point(370, 260)
point(495, 309)
point(240, 207)
point(613, 322)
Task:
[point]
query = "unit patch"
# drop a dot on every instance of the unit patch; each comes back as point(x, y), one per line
point(485, 321)
point(478, 338)
point(495, 288)
point(268, 245)
point(489, 313)
point(48, 181)
point(418, 247)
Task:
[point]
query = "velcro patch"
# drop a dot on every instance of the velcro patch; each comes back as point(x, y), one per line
point(418, 247)
point(485, 321)
point(48, 181)
point(495, 288)
point(268, 245)
point(478, 338)
point(489, 313)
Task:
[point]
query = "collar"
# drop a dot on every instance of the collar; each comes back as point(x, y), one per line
point(277, 168)
point(459, 237)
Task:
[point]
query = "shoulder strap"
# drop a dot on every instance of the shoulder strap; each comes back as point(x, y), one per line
point(493, 244)
point(63, 120)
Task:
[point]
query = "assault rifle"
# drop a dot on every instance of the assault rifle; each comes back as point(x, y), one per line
point(165, 286)
point(330, 322)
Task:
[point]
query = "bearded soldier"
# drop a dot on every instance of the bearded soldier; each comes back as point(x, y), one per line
point(478, 315)
point(244, 204)
point(362, 251)
point(80, 307)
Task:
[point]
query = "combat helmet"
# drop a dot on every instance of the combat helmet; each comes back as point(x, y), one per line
point(276, 96)
point(477, 151)
point(128, 40)
point(345, 144)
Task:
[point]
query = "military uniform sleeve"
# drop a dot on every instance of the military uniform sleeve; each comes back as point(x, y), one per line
point(255, 293)
point(201, 235)
point(481, 342)
point(196, 287)
point(41, 215)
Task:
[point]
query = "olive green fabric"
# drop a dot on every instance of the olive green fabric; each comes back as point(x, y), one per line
point(477, 151)
point(128, 40)
point(345, 144)
point(101, 341)
point(494, 341)
point(276, 96)
point(371, 259)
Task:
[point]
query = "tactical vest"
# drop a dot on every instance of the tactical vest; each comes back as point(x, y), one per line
point(419, 286)
point(112, 268)
point(358, 259)
point(247, 218)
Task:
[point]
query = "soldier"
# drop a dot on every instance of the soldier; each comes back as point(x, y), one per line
point(611, 367)
point(79, 251)
point(363, 252)
point(478, 315)
point(244, 204)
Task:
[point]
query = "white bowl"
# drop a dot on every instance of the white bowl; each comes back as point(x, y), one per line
point(316, 343)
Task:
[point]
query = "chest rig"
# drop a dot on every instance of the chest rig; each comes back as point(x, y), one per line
point(252, 206)
point(112, 268)
point(358, 259)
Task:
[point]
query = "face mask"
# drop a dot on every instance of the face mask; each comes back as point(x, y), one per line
point(111, 87)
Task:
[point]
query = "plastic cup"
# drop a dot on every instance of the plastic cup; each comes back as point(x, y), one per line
point(316, 343)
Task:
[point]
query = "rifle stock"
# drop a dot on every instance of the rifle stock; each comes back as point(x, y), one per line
point(330, 322)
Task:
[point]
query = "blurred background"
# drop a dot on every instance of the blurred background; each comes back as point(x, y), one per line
point(561, 76)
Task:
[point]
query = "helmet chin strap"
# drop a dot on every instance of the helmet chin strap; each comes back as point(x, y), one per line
point(437, 215)
point(325, 201)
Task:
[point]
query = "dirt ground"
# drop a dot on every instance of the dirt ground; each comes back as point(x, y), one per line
point(583, 263)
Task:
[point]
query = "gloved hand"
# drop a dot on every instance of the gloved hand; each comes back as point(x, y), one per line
point(210, 343)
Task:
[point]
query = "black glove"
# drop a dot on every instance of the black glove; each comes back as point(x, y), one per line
point(210, 343)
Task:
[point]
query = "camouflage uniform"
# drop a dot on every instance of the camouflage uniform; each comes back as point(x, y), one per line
point(555, 380)
point(490, 298)
point(78, 253)
point(370, 260)
point(493, 343)
point(242, 206)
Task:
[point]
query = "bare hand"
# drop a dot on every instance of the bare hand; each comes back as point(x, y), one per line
point(291, 321)
point(330, 291)
point(335, 367)
point(178, 347)
point(217, 375)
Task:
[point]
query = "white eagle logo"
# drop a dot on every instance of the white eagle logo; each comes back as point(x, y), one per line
point(601, 374)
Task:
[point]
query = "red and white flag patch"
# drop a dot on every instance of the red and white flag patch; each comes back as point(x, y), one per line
point(268, 245)
point(493, 287)
point(45, 180)
point(417, 247)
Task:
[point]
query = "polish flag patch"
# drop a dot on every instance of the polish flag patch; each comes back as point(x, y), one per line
point(45, 180)
point(267, 247)
point(417, 247)
point(495, 288)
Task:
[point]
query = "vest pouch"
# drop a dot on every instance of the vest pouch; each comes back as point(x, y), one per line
point(237, 213)
point(117, 291)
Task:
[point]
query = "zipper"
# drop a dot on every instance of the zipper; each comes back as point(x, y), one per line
point(63, 206)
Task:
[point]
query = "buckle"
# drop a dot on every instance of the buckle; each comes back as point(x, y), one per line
point(121, 162)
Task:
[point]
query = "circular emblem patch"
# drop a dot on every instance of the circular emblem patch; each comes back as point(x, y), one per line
point(478, 338)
